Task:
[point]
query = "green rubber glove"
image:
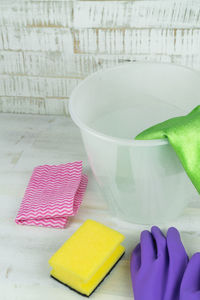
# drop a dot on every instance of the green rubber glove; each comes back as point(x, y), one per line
point(183, 134)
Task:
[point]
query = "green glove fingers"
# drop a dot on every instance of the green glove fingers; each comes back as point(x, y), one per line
point(183, 134)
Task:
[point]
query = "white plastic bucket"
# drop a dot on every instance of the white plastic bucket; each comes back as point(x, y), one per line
point(142, 181)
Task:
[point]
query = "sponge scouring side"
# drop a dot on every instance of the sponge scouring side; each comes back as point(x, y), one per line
point(87, 257)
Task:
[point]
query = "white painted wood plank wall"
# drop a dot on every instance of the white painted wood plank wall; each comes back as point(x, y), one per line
point(48, 47)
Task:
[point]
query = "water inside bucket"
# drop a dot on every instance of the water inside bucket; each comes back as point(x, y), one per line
point(127, 122)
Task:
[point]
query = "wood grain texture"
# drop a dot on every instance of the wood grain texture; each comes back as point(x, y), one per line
point(48, 46)
point(137, 14)
point(36, 86)
point(137, 41)
point(36, 39)
point(39, 13)
point(34, 105)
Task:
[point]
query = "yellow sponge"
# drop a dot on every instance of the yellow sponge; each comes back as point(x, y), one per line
point(87, 257)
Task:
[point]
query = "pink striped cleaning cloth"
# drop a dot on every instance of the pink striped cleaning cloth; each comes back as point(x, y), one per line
point(53, 194)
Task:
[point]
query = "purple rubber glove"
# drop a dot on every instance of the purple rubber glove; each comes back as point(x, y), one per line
point(190, 286)
point(157, 265)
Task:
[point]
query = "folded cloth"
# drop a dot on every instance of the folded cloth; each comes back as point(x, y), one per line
point(53, 194)
point(157, 265)
point(183, 134)
point(190, 286)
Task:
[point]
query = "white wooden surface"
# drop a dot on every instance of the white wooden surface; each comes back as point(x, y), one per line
point(48, 46)
point(25, 142)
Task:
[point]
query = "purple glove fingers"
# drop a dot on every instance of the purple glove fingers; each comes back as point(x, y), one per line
point(158, 265)
point(195, 296)
point(174, 243)
point(148, 250)
point(178, 258)
point(160, 241)
point(191, 278)
point(178, 261)
point(135, 260)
